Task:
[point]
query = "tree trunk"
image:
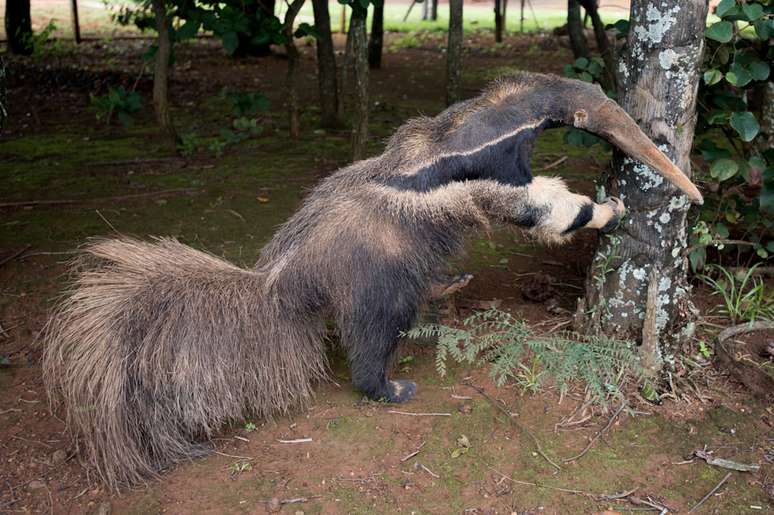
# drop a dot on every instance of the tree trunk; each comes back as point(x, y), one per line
point(3, 93)
point(18, 27)
point(161, 72)
point(575, 30)
point(658, 84)
point(434, 10)
point(327, 81)
point(425, 10)
point(291, 79)
point(603, 44)
point(498, 14)
point(359, 47)
point(454, 54)
point(521, 17)
point(377, 37)
point(76, 23)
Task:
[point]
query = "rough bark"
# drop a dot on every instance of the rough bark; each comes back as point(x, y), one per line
point(76, 23)
point(291, 79)
point(327, 81)
point(454, 54)
point(376, 38)
point(359, 47)
point(603, 44)
point(498, 14)
point(161, 72)
point(575, 30)
point(18, 26)
point(659, 78)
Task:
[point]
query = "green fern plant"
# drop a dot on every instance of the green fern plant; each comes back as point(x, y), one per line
point(515, 353)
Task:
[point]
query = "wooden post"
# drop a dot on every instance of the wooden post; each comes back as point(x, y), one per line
point(76, 25)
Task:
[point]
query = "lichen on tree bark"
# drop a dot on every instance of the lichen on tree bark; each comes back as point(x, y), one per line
point(658, 78)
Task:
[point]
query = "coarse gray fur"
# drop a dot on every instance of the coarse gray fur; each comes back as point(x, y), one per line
point(157, 345)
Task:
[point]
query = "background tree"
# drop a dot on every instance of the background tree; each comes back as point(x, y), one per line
point(291, 82)
point(327, 80)
point(603, 44)
point(358, 43)
point(637, 286)
point(454, 53)
point(18, 26)
point(161, 71)
point(499, 20)
point(376, 38)
point(575, 30)
point(433, 9)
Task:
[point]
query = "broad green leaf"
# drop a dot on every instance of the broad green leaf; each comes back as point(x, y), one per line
point(724, 169)
point(581, 63)
point(739, 76)
point(189, 29)
point(722, 231)
point(746, 125)
point(724, 7)
point(763, 29)
point(586, 77)
point(759, 70)
point(752, 11)
point(712, 76)
point(721, 31)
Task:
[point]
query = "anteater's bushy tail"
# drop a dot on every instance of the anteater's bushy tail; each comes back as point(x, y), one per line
point(157, 345)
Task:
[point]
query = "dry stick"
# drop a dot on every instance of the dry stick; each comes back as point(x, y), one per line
point(601, 497)
point(419, 449)
point(429, 471)
point(55, 202)
point(297, 440)
point(234, 456)
point(710, 493)
point(518, 426)
point(15, 255)
point(554, 164)
point(419, 414)
point(598, 435)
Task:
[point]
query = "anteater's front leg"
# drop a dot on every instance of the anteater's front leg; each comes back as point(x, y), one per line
point(547, 209)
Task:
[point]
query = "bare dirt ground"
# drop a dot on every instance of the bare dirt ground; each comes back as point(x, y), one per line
point(362, 457)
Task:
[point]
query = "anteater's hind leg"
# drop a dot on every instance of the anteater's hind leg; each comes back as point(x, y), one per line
point(372, 337)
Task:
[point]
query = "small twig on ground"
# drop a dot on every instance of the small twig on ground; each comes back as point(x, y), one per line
point(408, 457)
point(57, 202)
point(14, 255)
point(297, 440)
point(598, 435)
point(726, 464)
point(31, 441)
point(461, 397)
point(518, 426)
point(422, 466)
point(600, 497)
point(234, 456)
point(710, 493)
point(395, 412)
point(637, 501)
point(554, 164)
point(241, 438)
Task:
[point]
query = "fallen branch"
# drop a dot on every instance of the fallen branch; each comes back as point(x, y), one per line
point(15, 255)
point(598, 497)
point(234, 456)
point(554, 164)
point(59, 202)
point(598, 434)
point(710, 493)
point(419, 414)
point(518, 426)
point(726, 464)
point(409, 456)
point(297, 440)
point(428, 471)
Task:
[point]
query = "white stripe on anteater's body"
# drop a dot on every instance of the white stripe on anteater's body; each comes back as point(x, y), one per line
point(164, 343)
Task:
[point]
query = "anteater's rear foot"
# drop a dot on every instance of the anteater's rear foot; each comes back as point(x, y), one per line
point(401, 391)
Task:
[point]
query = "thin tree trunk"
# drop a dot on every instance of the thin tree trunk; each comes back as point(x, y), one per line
point(454, 54)
point(76, 24)
point(357, 34)
point(575, 30)
point(161, 71)
point(521, 19)
point(376, 38)
point(18, 26)
point(291, 79)
point(343, 20)
point(327, 81)
point(658, 84)
point(3, 93)
point(425, 10)
point(434, 10)
point(498, 15)
point(603, 44)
